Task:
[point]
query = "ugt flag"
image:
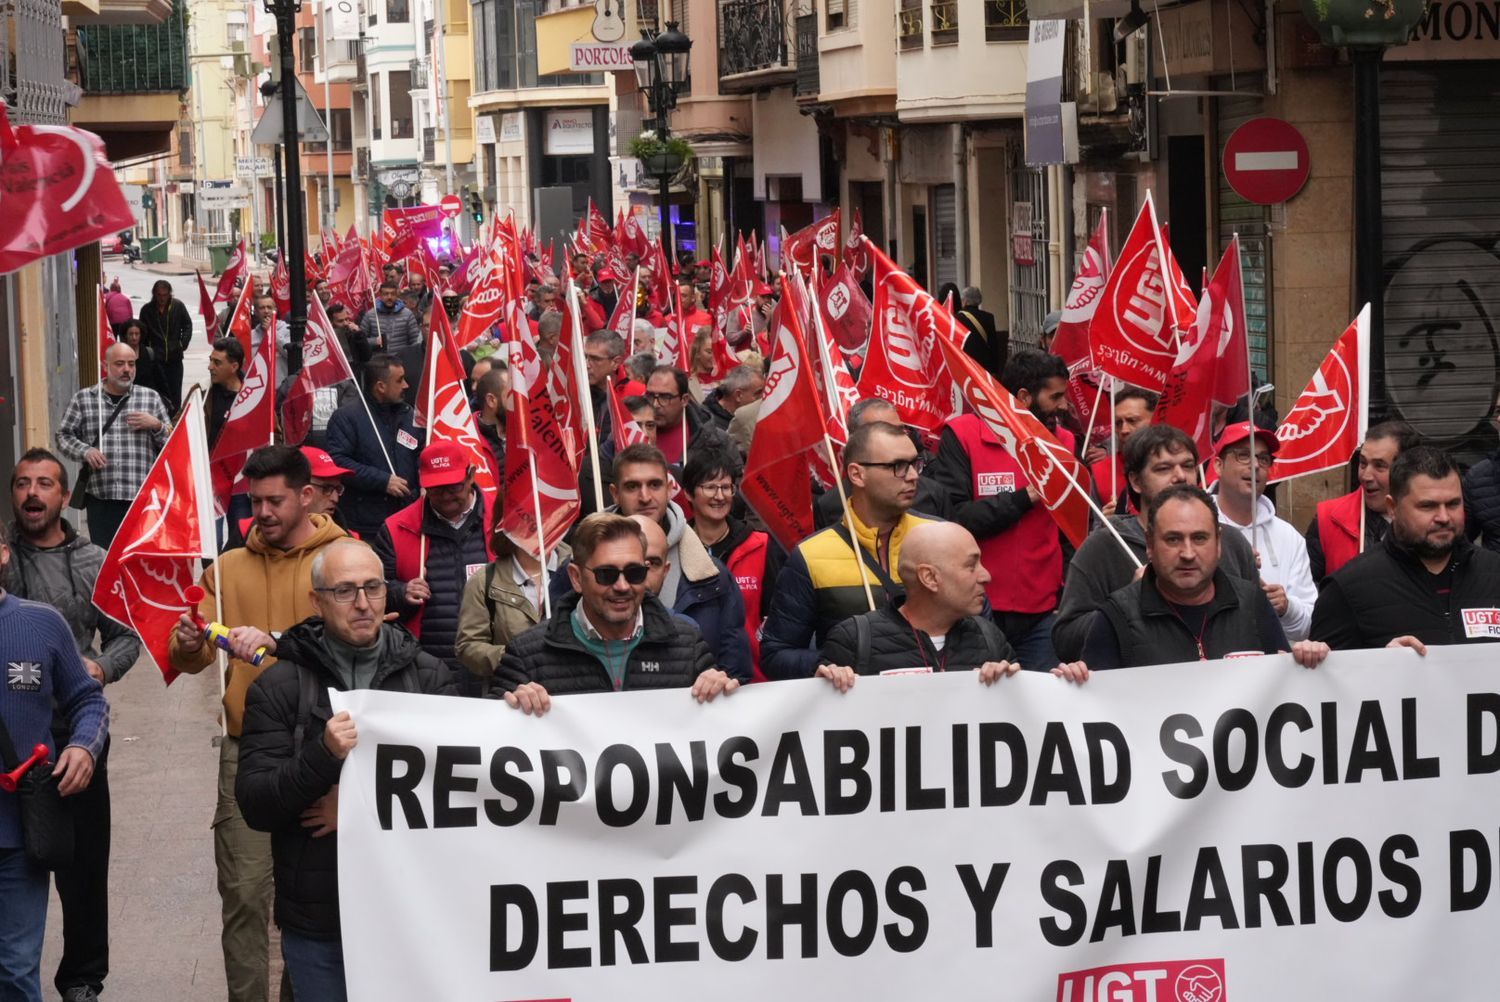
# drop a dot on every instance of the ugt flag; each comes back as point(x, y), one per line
point(1329, 420)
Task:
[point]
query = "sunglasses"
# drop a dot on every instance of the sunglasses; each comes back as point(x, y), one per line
point(606, 574)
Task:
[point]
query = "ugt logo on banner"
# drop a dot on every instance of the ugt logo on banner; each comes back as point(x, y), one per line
point(1165, 981)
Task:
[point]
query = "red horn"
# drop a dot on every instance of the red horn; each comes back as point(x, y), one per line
point(10, 780)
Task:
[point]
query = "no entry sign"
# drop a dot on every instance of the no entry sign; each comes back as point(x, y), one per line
point(1265, 161)
point(451, 205)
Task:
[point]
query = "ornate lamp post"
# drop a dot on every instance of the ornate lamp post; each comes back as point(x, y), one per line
point(661, 72)
point(1367, 28)
point(294, 247)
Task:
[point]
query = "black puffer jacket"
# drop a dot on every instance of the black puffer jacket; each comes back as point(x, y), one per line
point(894, 644)
point(671, 654)
point(278, 781)
point(1482, 501)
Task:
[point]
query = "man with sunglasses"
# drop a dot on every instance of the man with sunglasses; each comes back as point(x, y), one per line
point(431, 547)
point(827, 579)
point(989, 493)
point(608, 635)
point(257, 590)
point(293, 748)
point(1285, 574)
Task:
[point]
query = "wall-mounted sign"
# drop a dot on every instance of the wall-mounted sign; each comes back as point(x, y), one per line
point(512, 127)
point(1453, 29)
point(600, 57)
point(569, 133)
point(484, 129)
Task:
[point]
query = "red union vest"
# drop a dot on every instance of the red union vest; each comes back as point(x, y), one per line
point(1338, 529)
point(1024, 561)
point(748, 565)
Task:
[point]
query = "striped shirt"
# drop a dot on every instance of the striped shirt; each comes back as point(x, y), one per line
point(129, 454)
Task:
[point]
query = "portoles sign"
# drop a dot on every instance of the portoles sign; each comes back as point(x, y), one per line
point(1454, 29)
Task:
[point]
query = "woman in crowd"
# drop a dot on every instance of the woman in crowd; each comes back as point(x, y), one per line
point(499, 603)
point(711, 481)
point(701, 376)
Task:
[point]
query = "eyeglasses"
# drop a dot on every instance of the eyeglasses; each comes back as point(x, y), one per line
point(1262, 459)
point(606, 574)
point(902, 468)
point(601, 359)
point(333, 489)
point(716, 489)
point(662, 398)
point(344, 594)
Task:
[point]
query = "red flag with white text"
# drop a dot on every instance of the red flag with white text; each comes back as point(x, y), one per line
point(846, 310)
point(207, 311)
point(323, 366)
point(802, 249)
point(1071, 343)
point(251, 423)
point(242, 320)
point(856, 259)
point(151, 562)
point(1053, 470)
point(451, 418)
point(281, 288)
point(231, 274)
point(541, 480)
point(1329, 420)
point(1214, 342)
point(903, 364)
point(1133, 332)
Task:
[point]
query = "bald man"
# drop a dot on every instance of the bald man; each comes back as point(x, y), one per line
point(113, 430)
point(938, 626)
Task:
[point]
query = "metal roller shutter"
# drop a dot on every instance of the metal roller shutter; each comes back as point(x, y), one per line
point(1440, 176)
point(1251, 222)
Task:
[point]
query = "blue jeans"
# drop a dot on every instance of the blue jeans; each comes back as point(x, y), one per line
point(316, 967)
point(1034, 647)
point(23, 920)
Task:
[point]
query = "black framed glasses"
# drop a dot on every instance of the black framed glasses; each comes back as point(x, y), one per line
point(902, 468)
point(663, 398)
point(343, 594)
point(607, 574)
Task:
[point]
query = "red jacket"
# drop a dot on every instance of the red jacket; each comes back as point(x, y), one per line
point(1025, 560)
point(1339, 529)
point(748, 565)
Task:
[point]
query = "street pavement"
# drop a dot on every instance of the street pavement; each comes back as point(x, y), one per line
point(163, 778)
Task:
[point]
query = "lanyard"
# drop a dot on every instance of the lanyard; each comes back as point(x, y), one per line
point(942, 664)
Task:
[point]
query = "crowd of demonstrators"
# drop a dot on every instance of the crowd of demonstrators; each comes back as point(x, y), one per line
point(381, 564)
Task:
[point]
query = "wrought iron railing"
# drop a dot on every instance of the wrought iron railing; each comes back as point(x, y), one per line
point(418, 73)
point(135, 58)
point(909, 25)
point(752, 36)
point(944, 22)
point(429, 144)
point(1006, 21)
point(808, 83)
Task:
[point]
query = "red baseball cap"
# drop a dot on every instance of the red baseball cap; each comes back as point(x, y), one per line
point(322, 463)
point(605, 275)
point(1241, 430)
point(762, 289)
point(442, 463)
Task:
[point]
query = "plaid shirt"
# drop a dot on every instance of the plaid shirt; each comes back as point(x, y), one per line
point(129, 453)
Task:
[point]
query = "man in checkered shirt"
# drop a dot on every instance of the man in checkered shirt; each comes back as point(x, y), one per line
point(118, 465)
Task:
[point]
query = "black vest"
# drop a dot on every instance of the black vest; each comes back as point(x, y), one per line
point(1151, 633)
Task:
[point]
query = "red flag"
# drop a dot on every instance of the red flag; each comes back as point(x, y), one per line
point(676, 347)
point(541, 483)
point(855, 258)
point(903, 364)
point(626, 429)
point(242, 321)
point(311, 267)
point(232, 272)
point(1072, 341)
point(802, 249)
point(207, 311)
point(778, 481)
point(1328, 422)
point(404, 228)
point(144, 580)
point(281, 288)
point(251, 422)
point(623, 321)
point(451, 418)
point(439, 339)
point(836, 387)
point(1132, 335)
point(596, 234)
point(323, 366)
point(1184, 301)
point(1051, 467)
point(846, 311)
point(60, 192)
point(1215, 342)
point(485, 301)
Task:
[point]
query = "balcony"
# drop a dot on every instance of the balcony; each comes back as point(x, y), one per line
point(362, 164)
point(132, 77)
point(807, 56)
point(418, 69)
point(754, 50)
point(429, 144)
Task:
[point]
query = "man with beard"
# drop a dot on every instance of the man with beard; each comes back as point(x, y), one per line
point(1184, 608)
point(1347, 526)
point(1425, 583)
point(258, 590)
point(990, 494)
point(51, 563)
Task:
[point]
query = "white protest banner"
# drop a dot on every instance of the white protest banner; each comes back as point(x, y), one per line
point(1224, 832)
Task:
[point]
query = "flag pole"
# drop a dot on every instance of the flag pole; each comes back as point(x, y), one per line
point(1098, 398)
point(541, 541)
point(581, 382)
point(378, 437)
point(208, 539)
point(1250, 414)
point(859, 560)
point(1114, 444)
point(429, 374)
point(1094, 506)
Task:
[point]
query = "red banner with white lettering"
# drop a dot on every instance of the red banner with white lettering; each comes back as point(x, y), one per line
point(251, 423)
point(450, 418)
point(224, 291)
point(1133, 333)
point(846, 310)
point(541, 480)
point(323, 366)
point(802, 249)
point(1071, 342)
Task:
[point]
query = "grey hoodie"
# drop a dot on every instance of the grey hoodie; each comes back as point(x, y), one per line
point(63, 577)
point(1101, 568)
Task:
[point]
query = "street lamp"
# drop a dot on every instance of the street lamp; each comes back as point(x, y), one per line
point(661, 72)
point(294, 247)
